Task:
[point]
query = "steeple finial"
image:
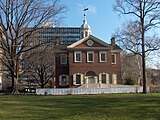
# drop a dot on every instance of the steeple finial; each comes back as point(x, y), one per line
point(85, 9)
point(85, 28)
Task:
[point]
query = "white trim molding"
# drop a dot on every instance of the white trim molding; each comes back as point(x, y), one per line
point(75, 56)
point(113, 56)
point(63, 82)
point(100, 58)
point(114, 78)
point(90, 52)
point(75, 81)
point(107, 77)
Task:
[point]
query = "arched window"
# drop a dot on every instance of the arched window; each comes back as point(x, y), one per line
point(78, 79)
point(63, 80)
point(86, 33)
point(104, 78)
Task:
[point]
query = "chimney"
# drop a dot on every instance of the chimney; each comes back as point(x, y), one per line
point(57, 42)
point(112, 40)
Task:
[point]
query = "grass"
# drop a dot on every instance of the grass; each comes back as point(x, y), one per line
point(81, 107)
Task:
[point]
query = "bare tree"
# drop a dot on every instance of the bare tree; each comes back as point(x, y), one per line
point(41, 67)
point(146, 13)
point(131, 66)
point(129, 39)
point(16, 16)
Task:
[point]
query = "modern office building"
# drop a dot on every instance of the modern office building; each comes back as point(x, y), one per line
point(66, 35)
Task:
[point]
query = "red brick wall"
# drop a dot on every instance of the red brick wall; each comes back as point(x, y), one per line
point(98, 67)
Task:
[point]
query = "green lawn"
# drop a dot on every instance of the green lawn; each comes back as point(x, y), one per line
point(81, 107)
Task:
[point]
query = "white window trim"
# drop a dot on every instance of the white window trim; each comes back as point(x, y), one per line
point(63, 63)
point(107, 78)
point(100, 56)
point(74, 79)
point(88, 56)
point(75, 56)
point(114, 79)
point(115, 59)
point(60, 80)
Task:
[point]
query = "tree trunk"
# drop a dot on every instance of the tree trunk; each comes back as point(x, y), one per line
point(12, 77)
point(143, 49)
point(16, 87)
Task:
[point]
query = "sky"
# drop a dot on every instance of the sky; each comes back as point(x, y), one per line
point(101, 17)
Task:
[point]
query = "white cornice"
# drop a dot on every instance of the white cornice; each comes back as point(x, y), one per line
point(87, 38)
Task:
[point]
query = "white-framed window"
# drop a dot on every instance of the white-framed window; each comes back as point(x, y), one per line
point(78, 79)
point(102, 56)
point(86, 34)
point(104, 78)
point(114, 78)
point(63, 58)
point(77, 56)
point(63, 80)
point(90, 56)
point(113, 58)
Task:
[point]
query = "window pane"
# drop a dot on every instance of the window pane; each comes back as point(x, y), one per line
point(90, 57)
point(63, 59)
point(64, 80)
point(78, 79)
point(113, 58)
point(78, 57)
point(103, 57)
point(103, 78)
point(86, 34)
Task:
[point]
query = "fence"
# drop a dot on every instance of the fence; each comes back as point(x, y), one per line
point(67, 91)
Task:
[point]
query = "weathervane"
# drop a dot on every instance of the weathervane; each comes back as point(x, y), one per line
point(85, 9)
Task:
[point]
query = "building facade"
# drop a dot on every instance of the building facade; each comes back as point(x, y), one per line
point(89, 63)
point(66, 35)
point(83, 60)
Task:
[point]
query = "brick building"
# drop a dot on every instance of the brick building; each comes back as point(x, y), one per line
point(83, 60)
point(89, 62)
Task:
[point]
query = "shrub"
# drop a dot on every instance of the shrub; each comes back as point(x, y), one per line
point(130, 80)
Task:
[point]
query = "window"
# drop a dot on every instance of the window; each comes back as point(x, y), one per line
point(63, 80)
point(78, 79)
point(82, 35)
point(86, 34)
point(90, 56)
point(63, 59)
point(102, 56)
point(113, 58)
point(114, 78)
point(104, 78)
point(77, 56)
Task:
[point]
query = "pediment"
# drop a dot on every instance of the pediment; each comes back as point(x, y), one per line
point(89, 42)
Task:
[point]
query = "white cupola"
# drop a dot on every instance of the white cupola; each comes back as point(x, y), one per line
point(85, 28)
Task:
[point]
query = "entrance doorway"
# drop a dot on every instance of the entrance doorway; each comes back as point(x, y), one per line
point(91, 80)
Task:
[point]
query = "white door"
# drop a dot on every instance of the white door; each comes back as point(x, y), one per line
point(91, 80)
